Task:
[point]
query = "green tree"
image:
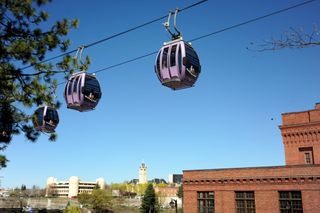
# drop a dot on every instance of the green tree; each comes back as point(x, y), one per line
point(27, 79)
point(180, 192)
point(23, 187)
point(99, 200)
point(96, 186)
point(149, 202)
point(141, 188)
point(72, 209)
point(180, 195)
point(122, 187)
point(84, 199)
point(161, 185)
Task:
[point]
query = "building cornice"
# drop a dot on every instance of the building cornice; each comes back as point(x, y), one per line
point(256, 168)
point(299, 179)
point(302, 125)
point(301, 134)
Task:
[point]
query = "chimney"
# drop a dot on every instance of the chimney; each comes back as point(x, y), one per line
point(317, 106)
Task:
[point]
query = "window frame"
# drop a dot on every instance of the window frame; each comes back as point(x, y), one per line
point(206, 198)
point(307, 151)
point(246, 199)
point(292, 201)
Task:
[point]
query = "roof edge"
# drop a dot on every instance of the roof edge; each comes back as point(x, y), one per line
point(260, 167)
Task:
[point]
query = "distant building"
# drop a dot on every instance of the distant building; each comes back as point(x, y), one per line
point(143, 177)
point(175, 179)
point(166, 194)
point(134, 181)
point(293, 188)
point(71, 188)
point(157, 181)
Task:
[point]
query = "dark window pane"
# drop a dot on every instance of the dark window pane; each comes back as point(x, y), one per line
point(200, 195)
point(75, 84)
point(250, 204)
point(296, 204)
point(284, 194)
point(211, 210)
point(158, 64)
point(307, 156)
point(250, 195)
point(173, 56)
point(165, 57)
point(241, 211)
point(211, 195)
point(239, 194)
point(240, 203)
point(70, 87)
point(296, 195)
point(180, 59)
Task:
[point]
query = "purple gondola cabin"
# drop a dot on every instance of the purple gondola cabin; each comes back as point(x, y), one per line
point(45, 119)
point(82, 92)
point(177, 65)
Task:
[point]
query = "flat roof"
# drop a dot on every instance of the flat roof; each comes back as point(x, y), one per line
point(255, 168)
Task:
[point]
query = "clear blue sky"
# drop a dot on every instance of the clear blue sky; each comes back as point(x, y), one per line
point(224, 121)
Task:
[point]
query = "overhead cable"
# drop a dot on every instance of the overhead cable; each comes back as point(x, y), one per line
point(117, 34)
point(211, 34)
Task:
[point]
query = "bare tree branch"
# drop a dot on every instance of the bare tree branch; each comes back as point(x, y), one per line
point(292, 38)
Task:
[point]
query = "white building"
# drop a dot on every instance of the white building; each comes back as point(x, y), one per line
point(143, 178)
point(71, 188)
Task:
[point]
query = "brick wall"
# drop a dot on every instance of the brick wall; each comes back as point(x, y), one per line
point(300, 130)
point(264, 181)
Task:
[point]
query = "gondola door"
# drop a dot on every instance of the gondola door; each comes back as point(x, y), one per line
point(172, 56)
point(75, 89)
point(164, 65)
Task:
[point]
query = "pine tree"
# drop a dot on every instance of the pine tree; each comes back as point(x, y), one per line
point(26, 79)
point(23, 187)
point(149, 201)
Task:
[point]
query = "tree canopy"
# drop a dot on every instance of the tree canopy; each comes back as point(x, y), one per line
point(180, 191)
point(149, 202)
point(27, 77)
point(98, 200)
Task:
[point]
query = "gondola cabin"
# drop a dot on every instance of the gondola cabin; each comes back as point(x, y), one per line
point(82, 92)
point(6, 122)
point(177, 65)
point(45, 119)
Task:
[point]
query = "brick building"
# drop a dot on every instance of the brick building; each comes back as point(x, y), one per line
point(293, 188)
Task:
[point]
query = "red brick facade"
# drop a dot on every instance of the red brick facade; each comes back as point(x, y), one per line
point(301, 133)
point(301, 138)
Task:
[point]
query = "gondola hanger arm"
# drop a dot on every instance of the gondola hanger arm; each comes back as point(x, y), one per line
point(178, 34)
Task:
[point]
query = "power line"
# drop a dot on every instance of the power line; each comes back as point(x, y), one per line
point(211, 34)
point(117, 34)
point(252, 20)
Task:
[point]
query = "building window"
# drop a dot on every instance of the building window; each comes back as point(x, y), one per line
point(307, 157)
point(205, 202)
point(308, 154)
point(245, 202)
point(290, 202)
